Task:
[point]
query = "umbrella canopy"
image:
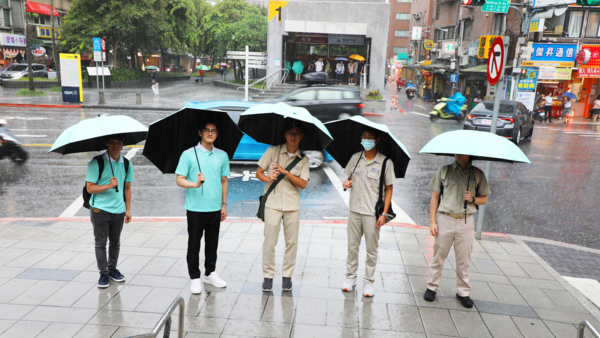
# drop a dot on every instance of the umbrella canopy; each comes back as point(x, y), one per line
point(346, 134)
point(298, 67)
point(151, 68)
point(480, 145)
point(266, 123)
point(341, 59)
point(570, 95)
point(357, 57)
point(91, 134)
point(170, 136)
point(202, 67)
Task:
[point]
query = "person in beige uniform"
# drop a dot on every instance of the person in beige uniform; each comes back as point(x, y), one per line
point(282, 204)
point(450, 226)
point(364, 173)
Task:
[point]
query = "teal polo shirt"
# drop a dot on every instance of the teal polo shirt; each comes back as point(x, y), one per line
point(214, 165)
point(109, 200)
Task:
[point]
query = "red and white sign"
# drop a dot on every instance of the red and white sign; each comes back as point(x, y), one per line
point(103, 44)
point(38, 51)
point(588, 59)
point(495, 61)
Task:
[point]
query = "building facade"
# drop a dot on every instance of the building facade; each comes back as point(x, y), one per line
point(399, 33)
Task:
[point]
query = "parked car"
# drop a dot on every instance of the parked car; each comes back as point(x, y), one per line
point(514, 120)
point(169, 68)
point(327, 103)
point(250, 150)
point(20, 70)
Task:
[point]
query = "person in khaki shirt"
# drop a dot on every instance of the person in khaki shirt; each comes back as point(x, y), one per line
point(365, 169)
point(283, 203)
point(462, 183)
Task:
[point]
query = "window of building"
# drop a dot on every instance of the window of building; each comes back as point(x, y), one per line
point(399, 33)
point(593, 25)
point(402, 16)
point(446, 33)
point(4, 17)
point(4, 3)
point(425, 18)
point(403, 0)
point(555, 25)
point(398, 50)
point(467, 27)
point(574, 23)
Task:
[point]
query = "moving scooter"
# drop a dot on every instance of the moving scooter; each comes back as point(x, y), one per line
point(439, 112)
point(10, 145)
point(538, 115)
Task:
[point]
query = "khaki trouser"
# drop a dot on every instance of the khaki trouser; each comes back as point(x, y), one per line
point(291, 226)
point(357, 226)
point(452, 230)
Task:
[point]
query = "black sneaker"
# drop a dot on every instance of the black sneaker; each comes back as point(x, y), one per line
point(116, 275)
point(287, 284)
point(429, 295)
point(103, 281)
point(465, 301)
point(267, 285)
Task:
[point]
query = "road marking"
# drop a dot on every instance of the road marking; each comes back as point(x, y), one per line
point(401, 216)
point(418, 105)
point(31, 135)
point(589, 287)
point(78, 203)
point(414, 112)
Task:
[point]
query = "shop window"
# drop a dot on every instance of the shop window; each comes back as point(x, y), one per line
point(574, 23)
point(468, 26)
point(318, 49)
point(336, 50)
point(593, 25)
point(4, 17)
point(399, 33)
point(446, 33)
point(400, 50)
point(402, 16)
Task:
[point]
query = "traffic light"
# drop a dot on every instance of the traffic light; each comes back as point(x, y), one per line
point(482, 2)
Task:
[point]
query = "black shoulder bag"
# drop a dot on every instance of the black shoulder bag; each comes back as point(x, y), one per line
point(380, 205)
point(263, 198)
point(86, 195)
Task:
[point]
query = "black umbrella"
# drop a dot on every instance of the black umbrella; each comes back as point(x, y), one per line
point(346, 135)
point(170, 136)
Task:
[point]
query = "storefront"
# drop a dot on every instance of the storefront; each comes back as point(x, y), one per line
point(588, 72)
point(11, 46)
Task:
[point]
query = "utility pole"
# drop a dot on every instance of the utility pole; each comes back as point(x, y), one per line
point(28, 48)
point(56, 61)
point(457, 54)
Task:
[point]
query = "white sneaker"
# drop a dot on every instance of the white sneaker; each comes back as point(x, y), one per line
point(349, 284)
point(214, 280)
point(368, 290)
point(196, 287)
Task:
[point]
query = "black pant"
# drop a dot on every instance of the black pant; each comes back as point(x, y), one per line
point(198, 222)
point(107, 226)
point(548, 111)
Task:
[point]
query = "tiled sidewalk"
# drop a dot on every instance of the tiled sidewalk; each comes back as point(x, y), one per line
point(48, 287)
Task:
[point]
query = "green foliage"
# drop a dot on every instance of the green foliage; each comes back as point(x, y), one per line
point(26, 78)
point(126, 74)
point(26, 92)
point(373, 95)
point(56, 89)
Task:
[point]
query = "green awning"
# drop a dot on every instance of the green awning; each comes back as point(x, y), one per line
point(482, 68)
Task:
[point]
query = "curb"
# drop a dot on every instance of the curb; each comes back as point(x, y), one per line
point(88, 106)
point(30, 105)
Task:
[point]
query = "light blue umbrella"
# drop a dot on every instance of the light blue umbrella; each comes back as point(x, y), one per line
point(266, 123)
point(480, 145)
point(570, 95)
point(91, 134)
point(341, 59)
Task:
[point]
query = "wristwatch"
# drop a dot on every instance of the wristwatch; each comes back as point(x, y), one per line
point(224, 203)
point(474, 199)
point(382, 214)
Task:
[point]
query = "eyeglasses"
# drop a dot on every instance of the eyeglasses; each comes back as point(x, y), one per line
point(210, 131)
point(293, 133)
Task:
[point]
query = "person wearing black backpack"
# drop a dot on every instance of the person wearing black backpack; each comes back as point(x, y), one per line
point(368, 172)
point(458, 190)
point(108, 181)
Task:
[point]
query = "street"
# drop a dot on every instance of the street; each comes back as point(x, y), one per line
point(553, 198)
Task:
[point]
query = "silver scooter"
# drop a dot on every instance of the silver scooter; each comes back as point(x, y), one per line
point(11, 146)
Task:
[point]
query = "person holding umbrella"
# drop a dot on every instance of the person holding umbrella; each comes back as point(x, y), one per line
point(284, 201)
point(206, 208)
point(155, 82)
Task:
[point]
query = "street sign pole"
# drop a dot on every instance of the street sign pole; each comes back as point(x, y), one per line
point(97, 48)
point(103, 44)
point(246, 77)
point(499, 85)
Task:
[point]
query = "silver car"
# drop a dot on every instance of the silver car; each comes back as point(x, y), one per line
point(20, 70)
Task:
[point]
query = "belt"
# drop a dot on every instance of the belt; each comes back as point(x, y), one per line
point(457, 216)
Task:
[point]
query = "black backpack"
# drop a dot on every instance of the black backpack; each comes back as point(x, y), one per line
point(100, 160)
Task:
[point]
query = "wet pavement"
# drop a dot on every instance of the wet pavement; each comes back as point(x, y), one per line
point(551, 203)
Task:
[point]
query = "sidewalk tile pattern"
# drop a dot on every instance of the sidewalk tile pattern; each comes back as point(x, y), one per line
point(567, 261)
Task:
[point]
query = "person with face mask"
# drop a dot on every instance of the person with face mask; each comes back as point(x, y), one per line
point(364, 173)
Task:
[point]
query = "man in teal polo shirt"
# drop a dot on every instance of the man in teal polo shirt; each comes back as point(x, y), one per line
point(203, 171)
point(109, 207)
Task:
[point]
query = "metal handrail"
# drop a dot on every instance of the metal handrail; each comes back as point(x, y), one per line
point(267, 85)
point(583, 325)
point(165, 321)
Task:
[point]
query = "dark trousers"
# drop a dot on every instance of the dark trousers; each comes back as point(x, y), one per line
point(210, 224)
point(107, 226)
point(338, 77)
point(548, 111)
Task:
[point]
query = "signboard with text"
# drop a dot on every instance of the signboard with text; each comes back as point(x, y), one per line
point(548, 3)
point(12, 40)
point(496, 6)
point(448, 47)
point(589, 66)
point(70, 74)
point(552, 55)
point(485, 42)
point(416, 33)
point(526, 87)
point(343, 39)
point(97, 43)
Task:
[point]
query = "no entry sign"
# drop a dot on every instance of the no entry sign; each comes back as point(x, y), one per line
point(495, 61)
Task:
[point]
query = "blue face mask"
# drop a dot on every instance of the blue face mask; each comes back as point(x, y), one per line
point(368, 144)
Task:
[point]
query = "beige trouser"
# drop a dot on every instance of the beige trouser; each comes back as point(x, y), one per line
point(291, 226)
point(357, 226)
point(452, 230)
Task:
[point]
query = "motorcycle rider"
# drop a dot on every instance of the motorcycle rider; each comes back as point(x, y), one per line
point(410, 90)
point(455, 102)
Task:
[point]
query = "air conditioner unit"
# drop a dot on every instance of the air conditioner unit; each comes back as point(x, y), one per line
point(464, 60)
point(473, 51)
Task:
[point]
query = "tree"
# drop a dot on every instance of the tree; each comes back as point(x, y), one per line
point(54, 54)
point(28, 48)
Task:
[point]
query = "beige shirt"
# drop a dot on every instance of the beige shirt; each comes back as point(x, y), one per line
point(365, 182)
point(286, 196)
point(455, 184)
